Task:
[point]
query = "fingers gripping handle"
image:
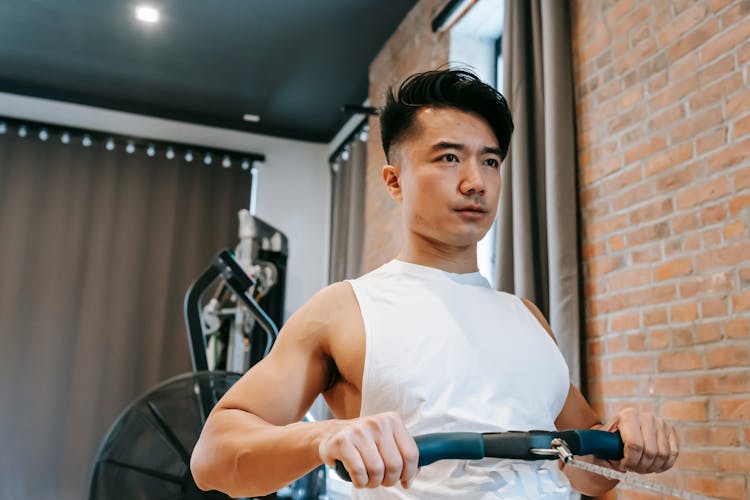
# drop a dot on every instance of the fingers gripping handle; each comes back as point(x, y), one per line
point(434, 447)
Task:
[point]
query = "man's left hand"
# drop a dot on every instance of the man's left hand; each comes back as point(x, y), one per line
point(651, 444)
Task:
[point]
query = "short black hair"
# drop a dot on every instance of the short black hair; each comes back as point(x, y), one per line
point(456, 88)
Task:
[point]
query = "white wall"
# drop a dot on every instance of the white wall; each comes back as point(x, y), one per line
point(293, 184)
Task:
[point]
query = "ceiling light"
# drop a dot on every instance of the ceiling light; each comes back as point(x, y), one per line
point(22, 131)
point(86, 141)
point(130, 148)
point(170, 154)
point(43, 135)
point(147, 14)
point(251, 118)
point(151, 150)
point(3, 127)
point(65, 138)
point(226, 162)
point(110, 145)
point(189, 156)
point(207, 159)
point(245, 165)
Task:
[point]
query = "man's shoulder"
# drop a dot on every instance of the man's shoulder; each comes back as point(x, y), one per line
point(332, 303)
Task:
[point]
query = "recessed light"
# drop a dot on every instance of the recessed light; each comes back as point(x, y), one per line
point(251, 118)
point(147, 14)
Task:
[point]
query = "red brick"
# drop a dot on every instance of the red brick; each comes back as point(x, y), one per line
point(681, 24)
point(741, 127)
point(633, 18)
point(668, 159)
point(679, 361)
point(723, 356)
point(604, 265)
point(741, 179)
point(738, 203)
point(644, 149)
point(632, 364)
point(685, 410)
point(682, 337)
point(684, 176)
point(729, 487)
point(624, 321)
point(684, 222)
point(707, 191)
point(733, 461)
point(707, 332)
point(730, 255)
point(725, 42)
point(711, 141)
point(658, 339)
point(732, 408)
point(696, 460)
point(655, 316)
point(666, 117)
point(715, 71)
point(671, 386)
point(716, 435)
point(736, 382)
point(713, 214)
point(734, 230)
point(715, 93)
point(738, 328)
point(711, 237)
point(673, 269)
point(713, 307)
point(615, 345)
point(739, 104)
point(616, 243)
point(693, 39)
point(645, 234)
point(741, 302)
point(680, 313)
point(649, 254)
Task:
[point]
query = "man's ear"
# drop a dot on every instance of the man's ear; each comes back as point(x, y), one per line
point(392, 178)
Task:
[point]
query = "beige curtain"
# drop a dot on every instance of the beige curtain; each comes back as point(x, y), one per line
point(97, 249)
point(347, 210)
point(538, 230)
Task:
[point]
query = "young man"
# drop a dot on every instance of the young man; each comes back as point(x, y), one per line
point(420, 345)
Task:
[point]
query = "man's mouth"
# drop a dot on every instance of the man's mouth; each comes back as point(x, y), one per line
point(472, 208)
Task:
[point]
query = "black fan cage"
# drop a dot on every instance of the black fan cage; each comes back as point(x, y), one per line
point(146, 453)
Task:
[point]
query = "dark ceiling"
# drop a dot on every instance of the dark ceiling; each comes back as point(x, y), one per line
point(292, 62)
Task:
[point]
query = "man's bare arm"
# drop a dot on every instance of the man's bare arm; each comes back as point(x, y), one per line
point(651, 445)
point(253, 442)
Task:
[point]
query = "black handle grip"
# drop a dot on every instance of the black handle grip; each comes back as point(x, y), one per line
point(513, 445)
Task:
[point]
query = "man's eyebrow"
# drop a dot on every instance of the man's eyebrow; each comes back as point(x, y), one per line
point(447, 145)
point(439, 146)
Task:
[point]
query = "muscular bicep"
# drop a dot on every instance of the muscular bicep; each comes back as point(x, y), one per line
point(283, 386)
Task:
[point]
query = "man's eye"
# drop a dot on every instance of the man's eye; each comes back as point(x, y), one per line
point(493, 163)
point(450, 157)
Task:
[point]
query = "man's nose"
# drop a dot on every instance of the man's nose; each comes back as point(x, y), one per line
point(472, 181)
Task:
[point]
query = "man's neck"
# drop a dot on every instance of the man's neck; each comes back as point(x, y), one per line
point(451, 259)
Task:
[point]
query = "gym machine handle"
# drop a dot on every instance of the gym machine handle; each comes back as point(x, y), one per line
point(513, 445)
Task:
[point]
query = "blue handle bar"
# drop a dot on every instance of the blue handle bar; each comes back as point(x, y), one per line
point(512, 445)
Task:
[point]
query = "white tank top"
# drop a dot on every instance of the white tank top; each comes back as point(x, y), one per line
point(449, 354)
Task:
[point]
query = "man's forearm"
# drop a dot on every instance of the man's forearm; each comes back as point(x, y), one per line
point(242, 455)
point(586, 482)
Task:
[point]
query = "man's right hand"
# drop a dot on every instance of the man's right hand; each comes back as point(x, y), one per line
point(376, 450)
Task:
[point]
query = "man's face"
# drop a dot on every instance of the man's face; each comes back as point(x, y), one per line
point(448, 176)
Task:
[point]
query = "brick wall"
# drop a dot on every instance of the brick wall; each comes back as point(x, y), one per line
point(663, 119)
point(412, 48)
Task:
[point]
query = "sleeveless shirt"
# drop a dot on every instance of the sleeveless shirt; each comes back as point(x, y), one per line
point(450, 354)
